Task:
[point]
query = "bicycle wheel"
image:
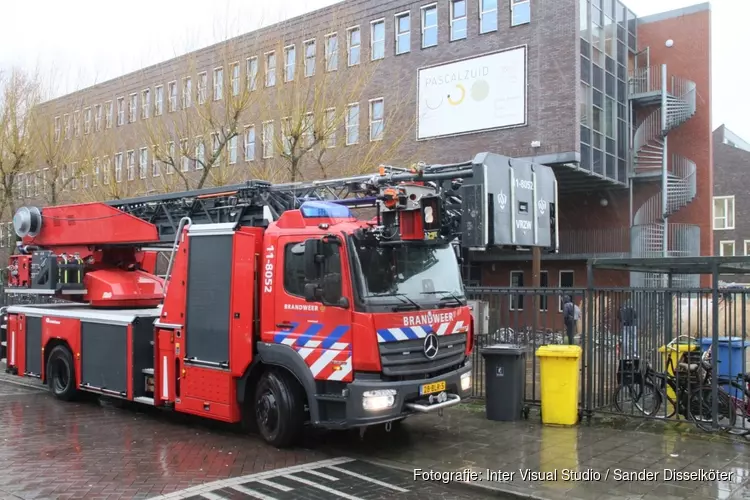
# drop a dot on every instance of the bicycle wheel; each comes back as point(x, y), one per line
point(700, 409)
point(650, 399)
point(644, 397)
point(667, 390)
point(625, 397)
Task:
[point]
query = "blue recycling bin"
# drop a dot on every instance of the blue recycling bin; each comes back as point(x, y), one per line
point(731, 357)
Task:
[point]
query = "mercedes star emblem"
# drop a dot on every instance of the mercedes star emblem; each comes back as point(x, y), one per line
point(431, 346)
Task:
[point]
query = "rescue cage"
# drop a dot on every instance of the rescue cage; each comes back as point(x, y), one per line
point(675, 328)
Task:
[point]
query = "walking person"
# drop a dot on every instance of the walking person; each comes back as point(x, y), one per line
point(570, 317)
point(628, 317)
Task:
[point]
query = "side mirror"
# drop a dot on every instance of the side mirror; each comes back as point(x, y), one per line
point(331, 291)
point(313, 258)
point(312, 292)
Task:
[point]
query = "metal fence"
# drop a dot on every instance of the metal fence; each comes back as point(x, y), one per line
point(661, 365)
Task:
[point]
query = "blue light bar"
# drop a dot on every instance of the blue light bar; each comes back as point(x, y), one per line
point(312, 209)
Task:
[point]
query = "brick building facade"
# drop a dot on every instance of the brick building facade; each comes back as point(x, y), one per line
point(345, 84)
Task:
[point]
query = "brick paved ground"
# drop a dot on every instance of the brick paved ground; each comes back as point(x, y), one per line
point(89, 450)
point(464, 439)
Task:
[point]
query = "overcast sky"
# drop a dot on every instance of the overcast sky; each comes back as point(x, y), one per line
point(87, 41)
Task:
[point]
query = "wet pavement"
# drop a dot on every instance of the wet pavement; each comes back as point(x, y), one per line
point(584, 462)
point(89, 450)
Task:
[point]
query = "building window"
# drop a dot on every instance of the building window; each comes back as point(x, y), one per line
point(87, 121)
point(106, 170)
point(330, 133)
point(133, 108)
point(118, 167)
point(215, 149)
point(170, 156)
point(376, 119)
point(66, 121)
point(487, 16)
point(30, 183)
point(250, 143)
point(172, 90)
point(233, 150)
point(187, 92)
point(97, 172)
point(143, 163)
point(159, 100)
point(726, 248)
point(120, 111)
point(332, 52)
point(403, 33)
point(429, 26)
point(131, 165)
point(145, 103)
point(218, 83)
point(723, 212)
point(520, 12)
point(310, 49)
point(267, 140)
point(200, 153)
point(270, 69)
point(352, 124)
point(155, 170)
point(202, 87)
point(98, 117)
point(57, 129)
point(377, 40)
point(290, 61)
point(308, 130)
point(566, 280)
point(77, 122)
point(543, 283)
point(184, 156)
point(516, 281)
point(747, 247)
point(286, 139)
point(458, 20)
point(236, 79)
point(252, 73)
point(353, 44)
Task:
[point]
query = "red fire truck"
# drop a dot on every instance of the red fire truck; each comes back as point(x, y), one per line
point(278, 307)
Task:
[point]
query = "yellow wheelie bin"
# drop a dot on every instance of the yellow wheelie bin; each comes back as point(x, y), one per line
point(673, 352)
point(560, 374)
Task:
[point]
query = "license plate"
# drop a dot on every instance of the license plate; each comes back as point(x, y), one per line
point(432, 388)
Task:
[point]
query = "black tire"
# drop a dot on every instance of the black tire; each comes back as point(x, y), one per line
point(700, 409)
point(279, 408)
point(61, 374)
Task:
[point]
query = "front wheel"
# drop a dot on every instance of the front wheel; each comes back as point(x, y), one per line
point(279, 408)
point(61, 374)
point(700, 409)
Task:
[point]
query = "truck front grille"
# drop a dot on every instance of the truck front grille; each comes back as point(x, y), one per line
point(406, 358)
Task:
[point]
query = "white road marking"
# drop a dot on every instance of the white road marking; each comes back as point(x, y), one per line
point(252, 493)
point(213, 496)
point(271, 484)
point(365, 478)
point(322, 488)
point(320, 474)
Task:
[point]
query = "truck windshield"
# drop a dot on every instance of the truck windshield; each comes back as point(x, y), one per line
point(417, 273)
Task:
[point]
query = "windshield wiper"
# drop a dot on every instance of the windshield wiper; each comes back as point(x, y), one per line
point(407, 301)
point(451, 295)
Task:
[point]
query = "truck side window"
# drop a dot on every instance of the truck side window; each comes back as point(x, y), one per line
point(294, 267)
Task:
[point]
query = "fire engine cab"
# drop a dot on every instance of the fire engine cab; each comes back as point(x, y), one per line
point(279, 307)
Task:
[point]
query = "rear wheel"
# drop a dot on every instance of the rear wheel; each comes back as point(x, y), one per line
point(700, 409)
point(61, 374)
point(279, 408)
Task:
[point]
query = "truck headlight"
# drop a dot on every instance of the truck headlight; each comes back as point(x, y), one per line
point(378, 400)
point(466, 381)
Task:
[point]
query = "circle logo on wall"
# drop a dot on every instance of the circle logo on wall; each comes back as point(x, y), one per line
point(456, 102)
point(480, 90)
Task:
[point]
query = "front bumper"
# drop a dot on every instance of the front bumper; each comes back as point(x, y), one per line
point(407, 400)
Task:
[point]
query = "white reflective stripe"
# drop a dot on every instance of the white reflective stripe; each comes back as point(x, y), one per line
point(305, 352)
point(252, 493)
point(442, 328)
point(320, 474)
point(345, 370)
point(458, 326)
point(340, 346)
point(271, 484)
point(13, 347)
point(312, 343)
point(398, 334)
point(421, 333)
point(164, 381)
point(365, 478)
point(323, 488)
point(289, 341)
point(323, 361)
point(380, 338)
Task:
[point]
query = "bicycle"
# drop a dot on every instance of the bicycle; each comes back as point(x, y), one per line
point(740, 384)
point(684, 393)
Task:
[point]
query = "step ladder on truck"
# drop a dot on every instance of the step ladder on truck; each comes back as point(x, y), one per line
point(279, 308)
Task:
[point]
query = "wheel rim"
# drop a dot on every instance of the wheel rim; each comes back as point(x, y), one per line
point(60, 375)
point(267, 411)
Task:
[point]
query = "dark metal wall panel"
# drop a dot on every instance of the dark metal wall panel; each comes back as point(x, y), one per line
point(143, 352)
point(208, 298)
point(33, 345)
point(104, 356)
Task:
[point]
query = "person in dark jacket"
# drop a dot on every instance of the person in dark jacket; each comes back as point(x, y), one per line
point(628, 317)
point(569, 317)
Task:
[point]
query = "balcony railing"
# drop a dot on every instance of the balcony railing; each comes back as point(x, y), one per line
point(593, 242)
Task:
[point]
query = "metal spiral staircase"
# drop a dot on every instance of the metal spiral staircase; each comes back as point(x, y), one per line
point(652, 234)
